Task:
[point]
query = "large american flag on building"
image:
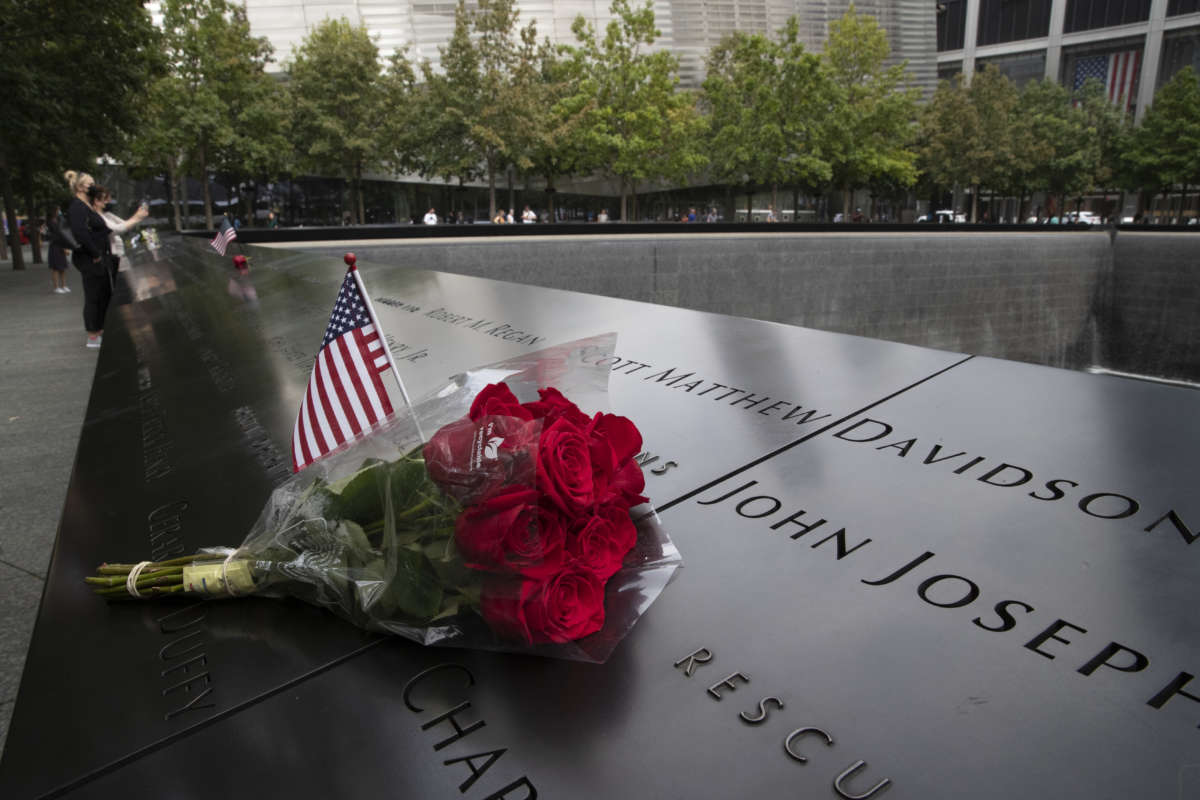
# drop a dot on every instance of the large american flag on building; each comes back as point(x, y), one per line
point(1117, 71)
point(345, 396)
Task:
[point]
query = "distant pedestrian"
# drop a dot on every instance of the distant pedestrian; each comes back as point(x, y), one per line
point(771, 215)
point(527, 216)
point(272, 220)
point(61, 243)
point(431, 217)
point(91, 259)
point(509, 218)
point(499, 218)
point(691, 215)
point(602, 216)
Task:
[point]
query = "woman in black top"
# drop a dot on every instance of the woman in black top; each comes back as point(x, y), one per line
point(91, 259)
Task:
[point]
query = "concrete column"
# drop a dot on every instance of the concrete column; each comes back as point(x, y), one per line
point(970, 34)
point(1151, 57)
point(1058, 15)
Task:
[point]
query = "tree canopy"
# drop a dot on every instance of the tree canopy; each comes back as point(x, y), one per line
point(338, 103)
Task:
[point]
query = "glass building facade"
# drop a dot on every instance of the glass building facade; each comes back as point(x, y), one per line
point(1131, 46)
point(689, 28)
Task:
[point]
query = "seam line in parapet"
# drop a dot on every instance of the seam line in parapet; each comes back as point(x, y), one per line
point(22, 569)
point(805, 438)
point(229, 712)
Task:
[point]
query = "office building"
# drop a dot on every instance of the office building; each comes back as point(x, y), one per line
point(1134, 46)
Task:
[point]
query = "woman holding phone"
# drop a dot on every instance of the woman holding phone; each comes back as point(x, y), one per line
point(116, 225)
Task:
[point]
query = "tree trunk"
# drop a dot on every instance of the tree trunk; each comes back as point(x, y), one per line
point(729, 212)
point(624, 204)
point(795, 205)
point(173, 190)
point(846, 198)
point(974, 203)
point(1182, 206)
point(512, 194)
point(358, 195)
point(491, 170)
point(208, 215)
point(775, 200)
point(749, 204)
point(10, 213)
point(633, 201)
point(34, 225)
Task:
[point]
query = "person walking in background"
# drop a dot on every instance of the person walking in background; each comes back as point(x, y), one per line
point(527, 216)
point(57, 233)
point(430, 217)
point(116, 225)
point(602, 216)
point(509, 219)
point(91, 231)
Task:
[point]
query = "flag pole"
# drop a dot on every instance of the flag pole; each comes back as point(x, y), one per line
point(351, 261)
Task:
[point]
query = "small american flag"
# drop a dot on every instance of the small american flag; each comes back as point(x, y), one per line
point(1117, 71)
point(345, 396)
point(226, 233)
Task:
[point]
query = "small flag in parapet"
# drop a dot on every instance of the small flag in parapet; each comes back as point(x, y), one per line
point(226, 233)
point(345, 396)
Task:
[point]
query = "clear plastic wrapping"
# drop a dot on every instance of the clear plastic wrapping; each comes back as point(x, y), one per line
point(518, 525)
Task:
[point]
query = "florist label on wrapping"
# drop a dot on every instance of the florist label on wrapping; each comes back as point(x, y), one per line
point(485, 446)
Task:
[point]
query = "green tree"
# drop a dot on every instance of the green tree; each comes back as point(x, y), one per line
point(161, 142)
point(950, 131)
point(994, 99)
point(764, 101)
point(1062, 151)
point(338, 98)
point(1165, 150)
point(486, 98)
point(406, 110)
point(72, 73)
point(219, 85)
point(872, 113)
point(260, 147)
point(445, 100)
point(558, 120)
point(641, 128)
point(1110, 125)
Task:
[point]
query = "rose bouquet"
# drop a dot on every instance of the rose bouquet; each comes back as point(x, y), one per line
point(511, 528)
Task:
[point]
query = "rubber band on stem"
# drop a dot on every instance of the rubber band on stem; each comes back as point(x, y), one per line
point(132, 578)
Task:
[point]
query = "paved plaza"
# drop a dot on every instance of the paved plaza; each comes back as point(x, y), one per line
point(45, 377)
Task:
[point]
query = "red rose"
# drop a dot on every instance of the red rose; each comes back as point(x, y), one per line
point(496, 399)
point(613, 442)
point(471, 459)
point(554, 405)
point(564, 472)
point(510, 532)
point(562, 608)
point(600, 542)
